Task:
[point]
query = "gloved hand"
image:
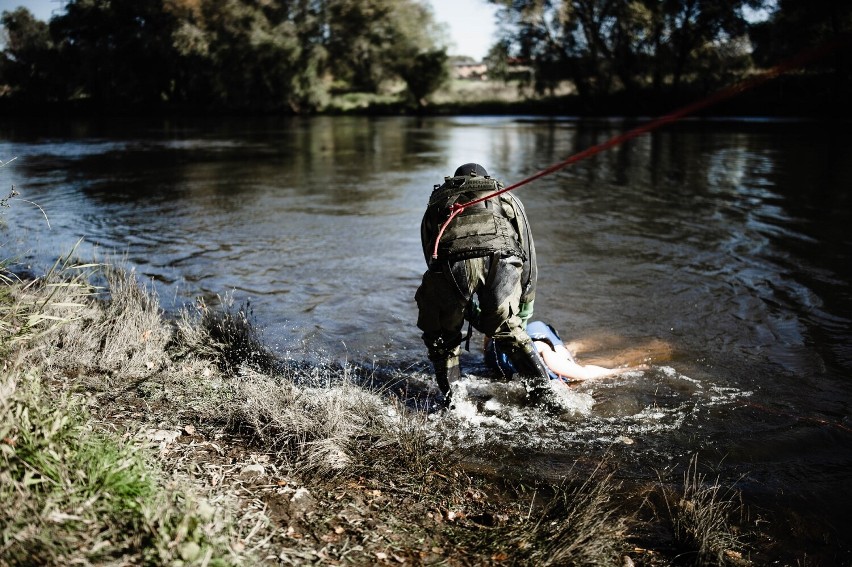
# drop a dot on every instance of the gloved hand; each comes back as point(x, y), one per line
point(472, 312)
point(525, 313)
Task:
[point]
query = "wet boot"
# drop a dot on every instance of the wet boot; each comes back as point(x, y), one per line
point(447, 371)
point(531, 370)
point(525, 359)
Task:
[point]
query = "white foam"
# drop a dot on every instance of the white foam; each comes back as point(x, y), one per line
point(488, 412)
point(570, 400)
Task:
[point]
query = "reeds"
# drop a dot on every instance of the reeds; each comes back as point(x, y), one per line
point(579, 524)
point(700, 515)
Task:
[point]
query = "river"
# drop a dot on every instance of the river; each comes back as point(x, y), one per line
point(720, 247)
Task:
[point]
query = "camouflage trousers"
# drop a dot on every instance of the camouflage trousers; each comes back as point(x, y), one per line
point(443, 298)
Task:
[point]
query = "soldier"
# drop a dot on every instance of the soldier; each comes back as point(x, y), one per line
point(486, 251)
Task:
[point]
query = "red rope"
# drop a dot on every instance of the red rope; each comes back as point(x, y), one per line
point(805, 418)
point(799, 61)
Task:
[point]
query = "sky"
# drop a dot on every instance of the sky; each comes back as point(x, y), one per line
point(40, 8)
point(471, 24)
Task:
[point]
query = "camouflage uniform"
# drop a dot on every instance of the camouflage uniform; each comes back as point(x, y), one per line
point(486, 251)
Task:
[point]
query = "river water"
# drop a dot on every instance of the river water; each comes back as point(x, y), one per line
point(719, 249)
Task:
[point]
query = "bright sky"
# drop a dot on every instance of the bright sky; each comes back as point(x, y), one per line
point(40, 8)
point(471, 22)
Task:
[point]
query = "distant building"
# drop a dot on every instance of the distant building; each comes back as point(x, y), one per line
point(469, 69)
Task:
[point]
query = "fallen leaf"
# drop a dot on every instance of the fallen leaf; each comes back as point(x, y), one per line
point(163, 435)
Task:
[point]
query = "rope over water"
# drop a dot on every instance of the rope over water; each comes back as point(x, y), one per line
point(728, 92)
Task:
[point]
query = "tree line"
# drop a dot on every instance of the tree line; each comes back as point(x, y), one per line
point(291, 55)
point(648, 48)
point(254, 55)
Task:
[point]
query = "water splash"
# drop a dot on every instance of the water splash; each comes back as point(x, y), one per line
point(624, 410)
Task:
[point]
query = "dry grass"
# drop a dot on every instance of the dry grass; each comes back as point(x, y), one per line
point(700, 514)
point(226, 336)
point(72, 493)
point(578, 524)
point(30, 310)
point(119, 331)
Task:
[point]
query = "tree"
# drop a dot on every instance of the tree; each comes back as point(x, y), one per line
point(604, 46)
point(247, 55)
point(25, 62)
point(424, 73)
point(253, 54)
point(794, 27)
point(370, 41)
point(116, 52)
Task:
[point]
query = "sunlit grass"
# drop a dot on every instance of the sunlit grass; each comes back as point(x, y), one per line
point(700, 515)
point(579, 523)
point(70, 494)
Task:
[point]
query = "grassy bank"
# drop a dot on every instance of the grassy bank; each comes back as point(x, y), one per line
point(793, 95)
point(130, 439)
point(788, 96)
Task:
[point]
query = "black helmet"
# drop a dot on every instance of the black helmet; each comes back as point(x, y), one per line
point(471, 169)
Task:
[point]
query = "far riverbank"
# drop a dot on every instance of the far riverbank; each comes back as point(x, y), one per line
point(799, 96)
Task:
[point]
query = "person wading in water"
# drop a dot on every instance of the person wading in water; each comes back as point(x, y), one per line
point(487, 251)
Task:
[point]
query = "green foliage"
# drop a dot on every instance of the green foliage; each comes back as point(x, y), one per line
point(69, 494)
point(424, 73)
point(25, 62)
point(371, 41)
point(217, 54)
point(116, 52)
point(606, 46)
point(252, 58)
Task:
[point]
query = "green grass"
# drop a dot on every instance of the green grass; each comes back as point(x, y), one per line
point(69, 491)
point(72, 491)
point(71, 494)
